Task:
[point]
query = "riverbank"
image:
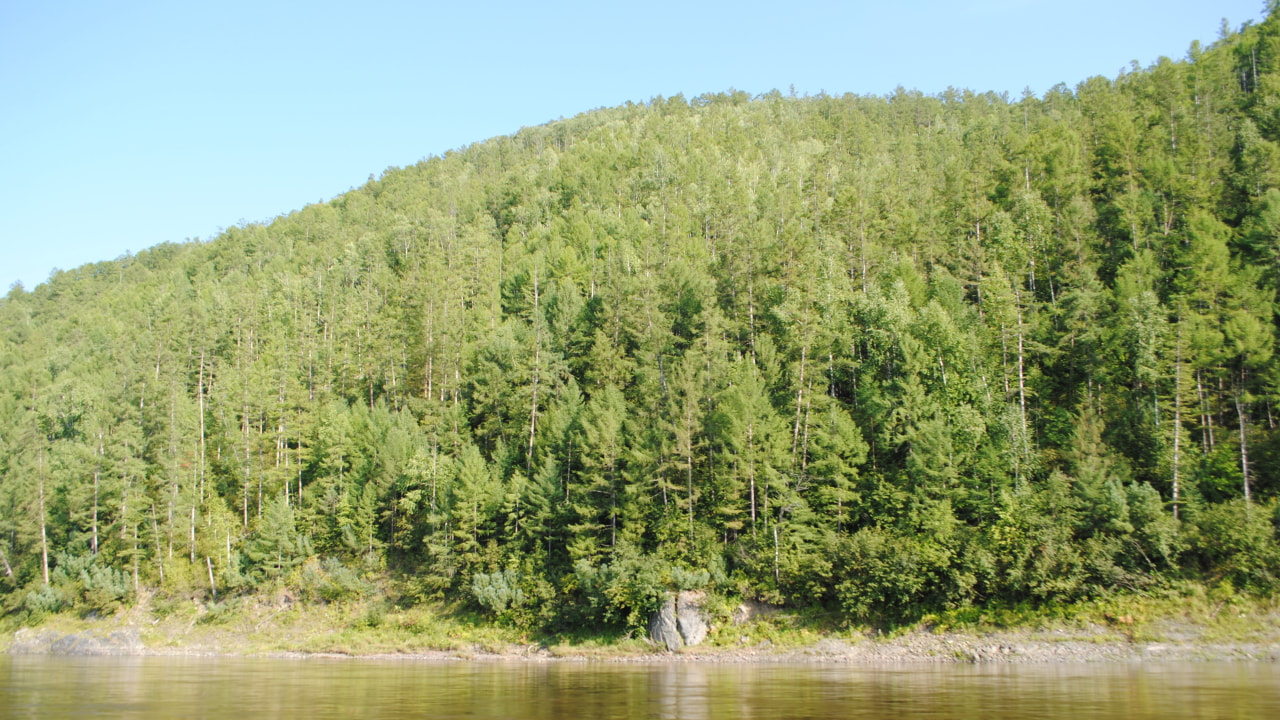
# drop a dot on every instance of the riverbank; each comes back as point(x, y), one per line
point(1135, 630)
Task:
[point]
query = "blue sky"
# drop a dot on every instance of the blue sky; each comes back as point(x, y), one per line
point(123, 125)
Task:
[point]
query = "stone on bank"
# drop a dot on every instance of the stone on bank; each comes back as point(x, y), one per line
point(681, 621)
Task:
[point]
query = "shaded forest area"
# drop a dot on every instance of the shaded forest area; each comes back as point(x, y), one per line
point(882, 355)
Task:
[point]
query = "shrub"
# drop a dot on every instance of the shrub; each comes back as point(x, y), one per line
point(891, 577)
point(625, 590)
point(683, 579)
point(330, 580)
point(87, 583)
point(44, 600)
point(497, 591)
point(1237, 542)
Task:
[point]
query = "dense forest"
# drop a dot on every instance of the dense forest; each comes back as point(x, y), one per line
point(880, 355)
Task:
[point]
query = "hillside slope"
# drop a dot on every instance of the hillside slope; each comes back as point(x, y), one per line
point(880, 354)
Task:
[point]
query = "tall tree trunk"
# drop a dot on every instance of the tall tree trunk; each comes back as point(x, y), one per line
point(1177, 416)
point(537, 356)
point(751, 470)
point(97, 473)
point(1242, 411)
point(136, 581)
point(155, 533)
point(795, 432)
point(776, 554)
point(1022, 378)
point(192, 542)
point(200, 398)
point(44, 535)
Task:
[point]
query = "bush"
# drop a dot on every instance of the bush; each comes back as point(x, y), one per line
point(497, 591)
point(330, 580)
point(625, 590)
point(1236, 541)
point(683, 579)
point(218, 613)
point(891, 577)
point(373, 617)
point(1156, 532)
point(44, 600)
point(88, 584)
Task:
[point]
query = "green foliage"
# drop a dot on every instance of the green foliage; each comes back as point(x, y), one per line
point(44, 600)
point(89, 584)
point(277, 545)
point(624, 591)
point(684, 579)
point(892, 355)
point(80, 582)
point(892, 578)
point(1237, 543)
point(330, 580)
point(498, 591)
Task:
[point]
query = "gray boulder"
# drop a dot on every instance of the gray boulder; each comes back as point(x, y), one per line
point(681, 621)
point(664, 626)
point(691, 619)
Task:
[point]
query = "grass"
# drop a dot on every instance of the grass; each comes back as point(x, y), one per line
point(279, 624)
point(252, 625)
point(370, 627)
point(1185, 612)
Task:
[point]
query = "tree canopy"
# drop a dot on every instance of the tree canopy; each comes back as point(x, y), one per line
point(880, 354)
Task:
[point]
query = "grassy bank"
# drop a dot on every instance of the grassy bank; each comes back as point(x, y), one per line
point(1190, 617)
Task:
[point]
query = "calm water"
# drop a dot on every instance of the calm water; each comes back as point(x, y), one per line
point(314, 689)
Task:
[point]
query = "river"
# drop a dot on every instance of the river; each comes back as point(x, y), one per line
point(184, 687)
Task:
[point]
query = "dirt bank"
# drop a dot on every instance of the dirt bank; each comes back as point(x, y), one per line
point(1084, 645)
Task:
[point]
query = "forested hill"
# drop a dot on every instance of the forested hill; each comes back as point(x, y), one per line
point(882, 354)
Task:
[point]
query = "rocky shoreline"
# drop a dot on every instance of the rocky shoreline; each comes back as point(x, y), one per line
point(1006, 647)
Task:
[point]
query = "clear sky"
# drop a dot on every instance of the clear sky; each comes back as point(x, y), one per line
point(127, 124)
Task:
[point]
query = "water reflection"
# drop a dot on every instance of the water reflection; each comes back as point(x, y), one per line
point(315, 689)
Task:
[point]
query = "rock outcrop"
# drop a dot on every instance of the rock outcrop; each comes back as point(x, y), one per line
point(691, 618)
point(663, 629)
point(751, 610)
point(681, 621)
point(49, 642)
